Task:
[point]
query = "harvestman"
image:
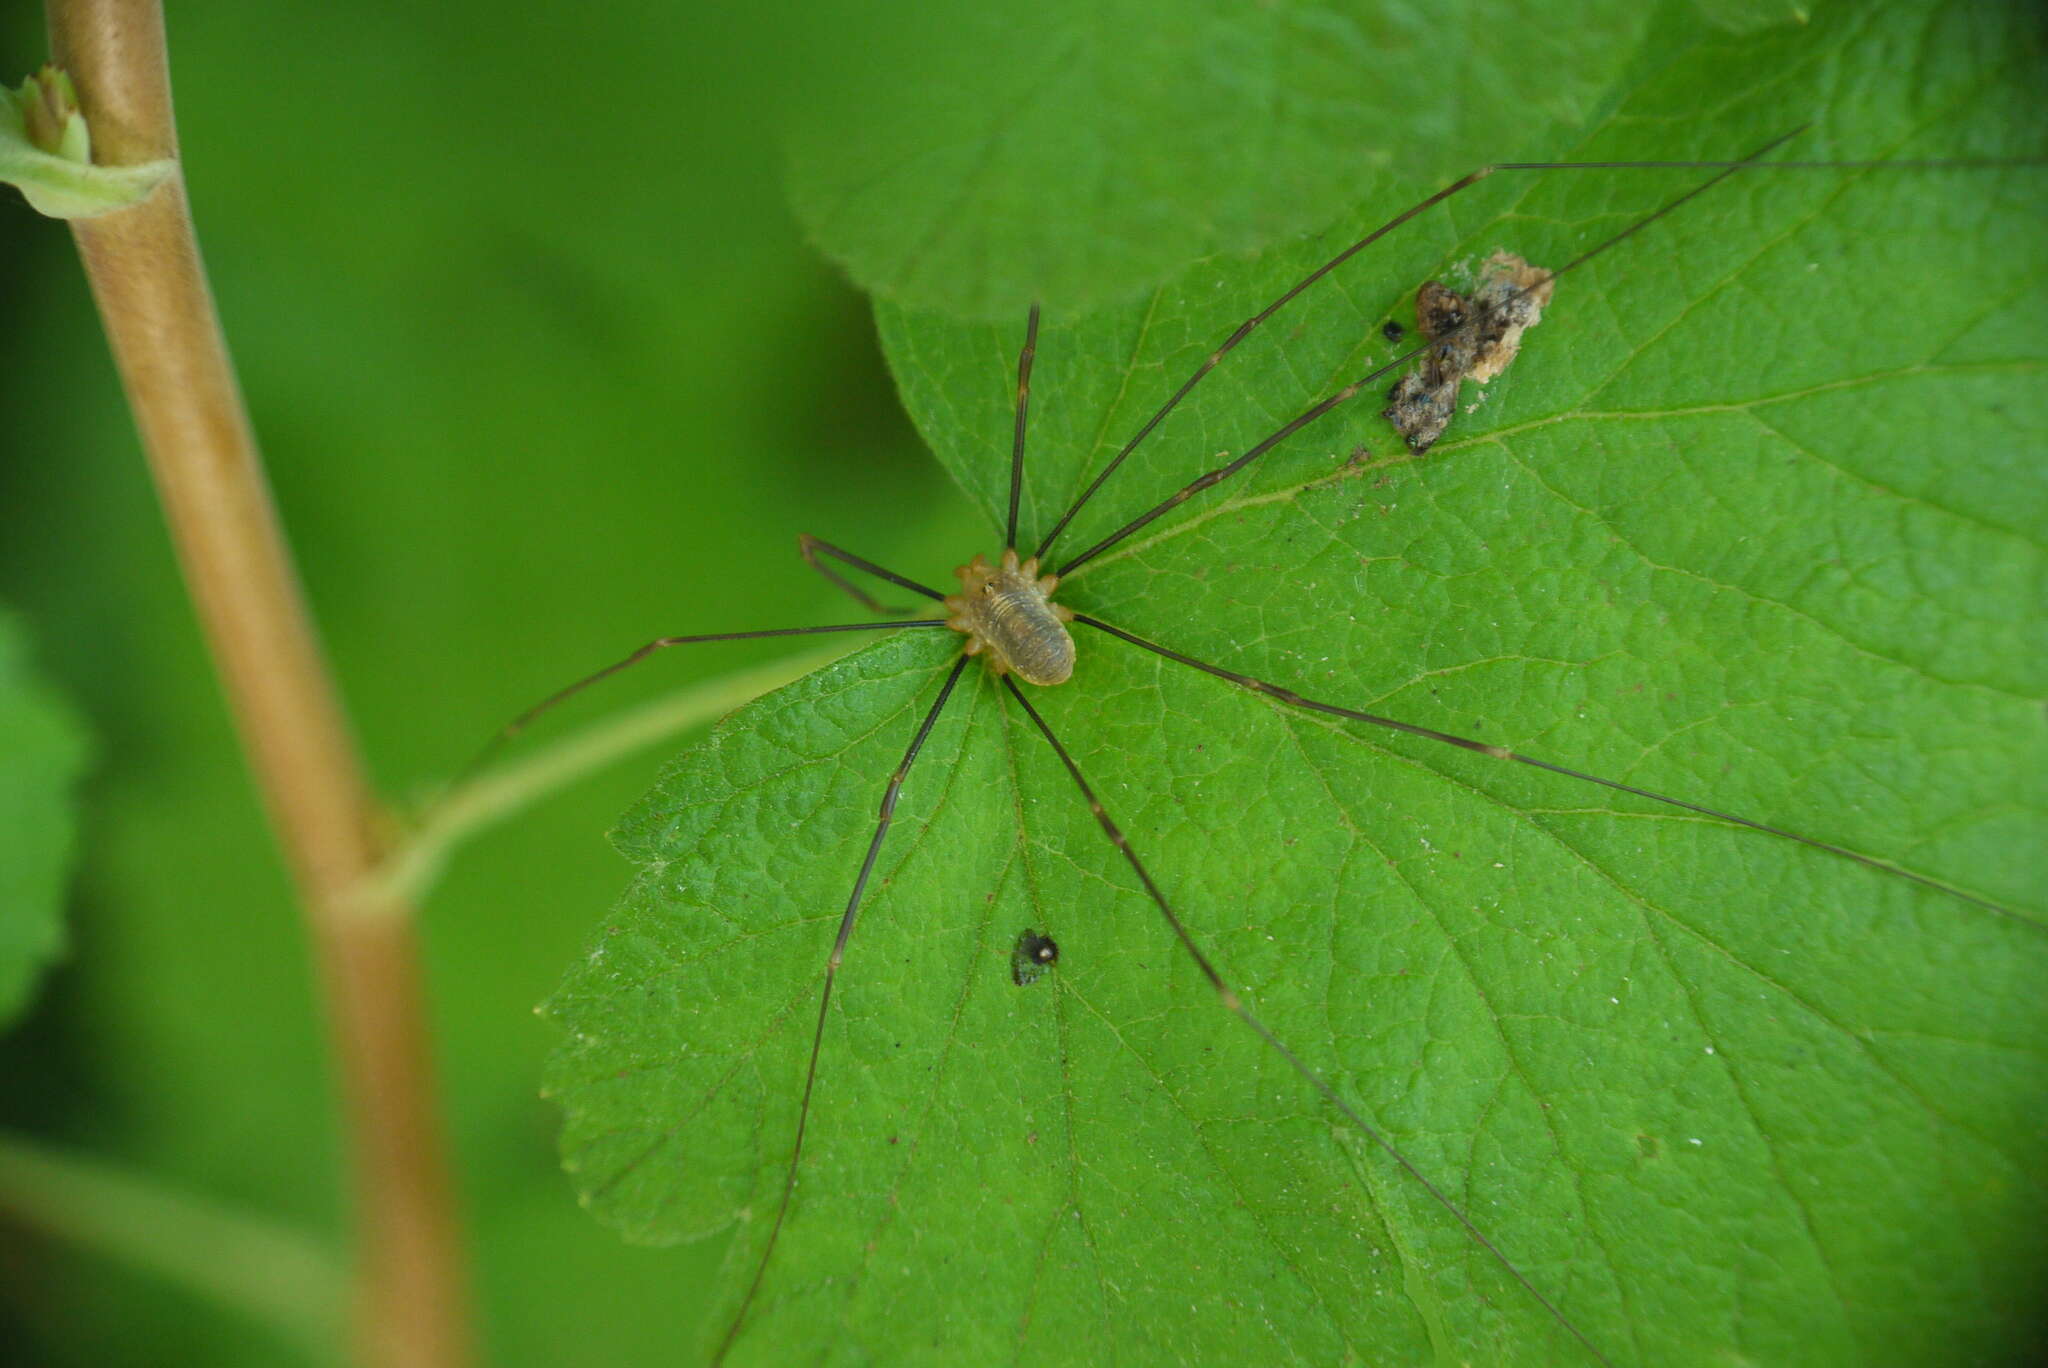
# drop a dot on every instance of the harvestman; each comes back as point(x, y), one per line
point(1007, 613)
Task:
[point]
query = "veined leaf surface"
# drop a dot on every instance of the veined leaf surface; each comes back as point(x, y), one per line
point(1755, 521)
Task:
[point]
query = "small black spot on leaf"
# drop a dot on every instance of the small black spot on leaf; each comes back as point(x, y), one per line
point(1033, 955)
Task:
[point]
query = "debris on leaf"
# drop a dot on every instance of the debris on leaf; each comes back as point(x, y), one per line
point(1473, 337)
point(1033, 955)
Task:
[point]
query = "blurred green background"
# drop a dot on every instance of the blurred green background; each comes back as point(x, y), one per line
point(516, 427)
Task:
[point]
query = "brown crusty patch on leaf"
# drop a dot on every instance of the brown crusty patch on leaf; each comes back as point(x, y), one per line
point(1473, 337)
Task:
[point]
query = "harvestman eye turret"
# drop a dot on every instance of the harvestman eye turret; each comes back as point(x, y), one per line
point(1006, 612)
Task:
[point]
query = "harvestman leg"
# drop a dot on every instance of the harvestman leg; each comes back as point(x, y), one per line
point(832, 962)
point(1025, 356)
point(1235, 1005)
point(524, 720)
point(1295, 700)
point(846, 921)
point(1245, 328)
point(1323, 406)
point(810, 547)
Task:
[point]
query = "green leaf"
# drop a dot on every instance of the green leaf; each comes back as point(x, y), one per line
point(1756, 520)
point(976, 157)
point(42, 752)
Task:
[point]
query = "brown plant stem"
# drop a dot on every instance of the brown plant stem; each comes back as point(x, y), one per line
point(144, 267)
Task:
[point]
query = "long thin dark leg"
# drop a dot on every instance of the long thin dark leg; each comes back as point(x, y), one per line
point(563, 695)
point(1245, 328)
point(832, 962)
point(1024, 359)
point(1463, 183)
point(1317, 410)
point(1230, 1000)
point(1293, 699)
point(810, 547)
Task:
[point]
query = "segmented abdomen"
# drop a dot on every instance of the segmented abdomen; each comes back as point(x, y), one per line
point(1020, 626)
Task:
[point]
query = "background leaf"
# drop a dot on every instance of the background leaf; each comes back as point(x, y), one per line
point(976, 157)
point(1756, 520)
point(42, 752)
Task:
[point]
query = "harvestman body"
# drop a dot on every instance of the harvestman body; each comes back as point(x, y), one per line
point(1005, 610)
